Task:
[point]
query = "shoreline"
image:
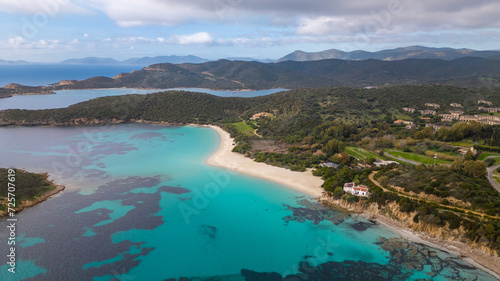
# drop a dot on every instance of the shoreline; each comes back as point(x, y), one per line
point(475, 258)
point(305, 182)
point(27, 204)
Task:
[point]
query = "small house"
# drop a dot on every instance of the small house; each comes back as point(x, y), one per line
point(359, 190)
point(261, 114)
point(329, 165)
point(411, 127)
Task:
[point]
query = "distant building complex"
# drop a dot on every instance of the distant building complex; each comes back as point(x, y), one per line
point(434, 105)
point(485, 102)
point(427, 112)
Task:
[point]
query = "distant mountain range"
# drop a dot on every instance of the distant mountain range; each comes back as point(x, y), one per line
point(145, 61)
point(14, 62)
point(412, 52)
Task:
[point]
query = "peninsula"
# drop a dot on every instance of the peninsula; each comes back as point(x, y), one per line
point(23, 189)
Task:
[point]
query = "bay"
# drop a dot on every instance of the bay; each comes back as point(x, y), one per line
point(69, 97)
point(46, 74)
point(141, 204)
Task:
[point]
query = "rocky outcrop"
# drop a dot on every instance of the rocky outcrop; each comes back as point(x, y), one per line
point(442, 237)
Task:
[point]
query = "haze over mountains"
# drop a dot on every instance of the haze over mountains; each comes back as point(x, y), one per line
point(411, 52)
point(138, 61)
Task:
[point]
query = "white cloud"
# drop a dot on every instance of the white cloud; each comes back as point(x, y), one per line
point(128, 13)
point(196, 38)
point(183, 39)
point(23, 43)
point(46, 7)
point(404, 16)
point(323, 25)
point(86, 35)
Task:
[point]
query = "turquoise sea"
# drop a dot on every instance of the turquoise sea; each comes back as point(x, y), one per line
point(141, 204)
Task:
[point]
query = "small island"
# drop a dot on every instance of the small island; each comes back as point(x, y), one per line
point(29, 189)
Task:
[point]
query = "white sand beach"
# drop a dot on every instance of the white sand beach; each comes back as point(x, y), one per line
point(302, 181)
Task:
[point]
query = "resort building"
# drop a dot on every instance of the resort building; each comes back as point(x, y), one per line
point(403, 122)
point(488, 117)
point(427, 112)
point(455, 105)
point(409, 109)
point(467, 118)
point(457, 112)
point(483, 119)
point(359, 190)
point(485, 102)
point(489, 109)
point(447, 117)
point(435, 105)
point(454, 115)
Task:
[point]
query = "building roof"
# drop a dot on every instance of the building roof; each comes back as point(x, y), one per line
point(329, 164)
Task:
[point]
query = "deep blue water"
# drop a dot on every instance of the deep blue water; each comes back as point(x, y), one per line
point(46, 74)
point(141, 204)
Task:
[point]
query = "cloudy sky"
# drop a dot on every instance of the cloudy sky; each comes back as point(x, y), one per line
point(53, 30)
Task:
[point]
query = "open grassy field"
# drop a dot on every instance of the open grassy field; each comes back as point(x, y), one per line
point(487, 154)
point(243, 127)
point(361, 153)
point(417, 157)
point(463, 143)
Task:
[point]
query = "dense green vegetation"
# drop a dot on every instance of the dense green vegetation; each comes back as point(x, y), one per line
point(28, 186)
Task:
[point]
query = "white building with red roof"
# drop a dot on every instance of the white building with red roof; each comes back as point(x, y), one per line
point(358, 190)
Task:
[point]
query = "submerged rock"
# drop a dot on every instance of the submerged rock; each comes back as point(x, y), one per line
point(208, 231)
point(313, 211)
point(251, 275)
